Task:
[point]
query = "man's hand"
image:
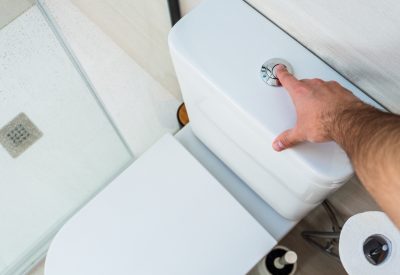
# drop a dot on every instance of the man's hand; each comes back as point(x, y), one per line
point(370, 137)
point(317, 104)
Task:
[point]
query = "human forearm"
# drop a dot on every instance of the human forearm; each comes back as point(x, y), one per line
point(371, 138)
point(327, 111)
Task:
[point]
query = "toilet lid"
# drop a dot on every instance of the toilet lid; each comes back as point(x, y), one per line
point(165, 214)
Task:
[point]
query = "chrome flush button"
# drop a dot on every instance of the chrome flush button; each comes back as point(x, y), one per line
point(268, 71)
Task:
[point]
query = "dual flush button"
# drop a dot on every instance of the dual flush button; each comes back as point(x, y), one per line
point(268, 71)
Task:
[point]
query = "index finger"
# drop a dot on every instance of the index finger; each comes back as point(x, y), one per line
point(288, 81)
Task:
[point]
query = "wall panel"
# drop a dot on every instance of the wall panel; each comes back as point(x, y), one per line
point(359, 38)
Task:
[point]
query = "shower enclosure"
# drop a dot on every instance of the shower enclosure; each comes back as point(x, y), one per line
point(58, 145)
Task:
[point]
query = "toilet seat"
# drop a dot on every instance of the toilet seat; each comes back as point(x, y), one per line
point(165, 214)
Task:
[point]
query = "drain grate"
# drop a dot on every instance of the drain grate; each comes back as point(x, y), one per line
point(18, 135)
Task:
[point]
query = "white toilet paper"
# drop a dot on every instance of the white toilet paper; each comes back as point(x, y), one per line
point(354, 233)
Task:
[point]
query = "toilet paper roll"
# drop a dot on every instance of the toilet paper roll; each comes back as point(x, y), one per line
point(356, 231)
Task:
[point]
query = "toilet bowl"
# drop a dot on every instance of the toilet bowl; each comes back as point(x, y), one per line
point(214, 198)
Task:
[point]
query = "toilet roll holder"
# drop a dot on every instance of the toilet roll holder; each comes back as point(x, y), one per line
point(376, 248)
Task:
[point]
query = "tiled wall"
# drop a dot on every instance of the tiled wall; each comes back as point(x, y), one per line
point(359, 38)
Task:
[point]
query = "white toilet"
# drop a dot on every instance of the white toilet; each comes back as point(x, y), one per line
point(215, 198)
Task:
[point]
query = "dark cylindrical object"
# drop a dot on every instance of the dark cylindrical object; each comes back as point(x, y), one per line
point(174, 11)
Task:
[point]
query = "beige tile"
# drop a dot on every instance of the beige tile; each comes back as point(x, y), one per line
point(38, 270)
point(141, 29)
point(188, 5)
point(10, 9)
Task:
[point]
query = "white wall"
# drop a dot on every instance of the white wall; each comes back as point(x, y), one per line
point(360, 38)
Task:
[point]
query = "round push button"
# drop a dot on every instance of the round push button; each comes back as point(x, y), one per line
point(268, 71)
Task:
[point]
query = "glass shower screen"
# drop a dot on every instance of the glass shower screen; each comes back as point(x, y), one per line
point(58, 145)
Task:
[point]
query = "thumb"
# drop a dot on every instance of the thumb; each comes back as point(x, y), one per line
point(286, 140)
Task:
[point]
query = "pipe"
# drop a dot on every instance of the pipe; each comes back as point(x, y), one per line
point(174, 11)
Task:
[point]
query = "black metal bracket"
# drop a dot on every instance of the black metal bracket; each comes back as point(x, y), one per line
point(326, 241)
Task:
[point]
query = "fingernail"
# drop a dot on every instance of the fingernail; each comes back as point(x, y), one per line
point(281, 67)
point(278, 145)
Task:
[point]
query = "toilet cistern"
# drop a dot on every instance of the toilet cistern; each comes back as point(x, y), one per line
point(268, 71)
point(217, 60)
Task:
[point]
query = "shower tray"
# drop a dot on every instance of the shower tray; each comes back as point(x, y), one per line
point(58, 146)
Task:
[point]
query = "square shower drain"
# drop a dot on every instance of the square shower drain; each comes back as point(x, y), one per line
point(18, 135)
